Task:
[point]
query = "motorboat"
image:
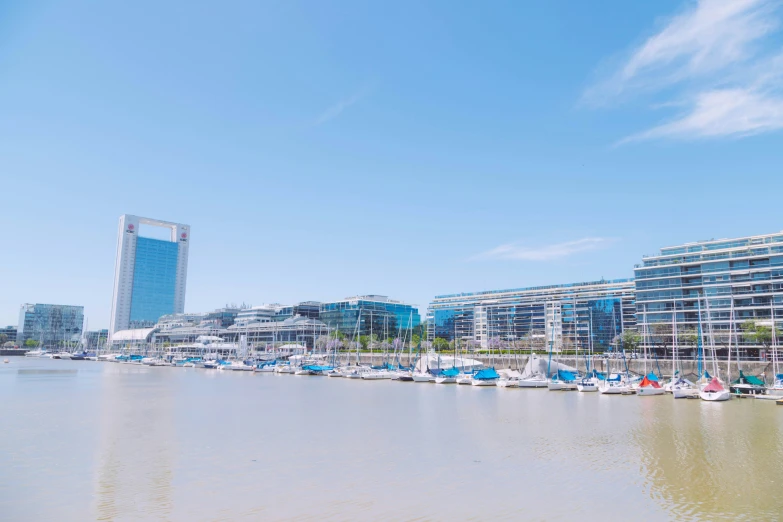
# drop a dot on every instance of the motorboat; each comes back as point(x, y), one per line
point(236, 366)
point(747, 385)
point(447, 376)
point(610, 387)
point(486, 377)
point(511, 382)
point(61, 355)
point(533, 381)
point(587, 385)
point(562, 381)
point(714, 392)
point(376, 375)
point(683, 389)
point(465, 378)
point(422, 377)
point(35, 353)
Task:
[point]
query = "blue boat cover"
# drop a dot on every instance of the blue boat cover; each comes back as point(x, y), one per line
point(616, 378)
point(451, 372)
point(435, 371)
point(597, 375)
point(707, 375)
point(486, 374)
point(651, 376)
point(317, 368)
point(565, 376)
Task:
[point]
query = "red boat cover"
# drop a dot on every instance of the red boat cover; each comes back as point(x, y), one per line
point(714, 386)
point(647, 382)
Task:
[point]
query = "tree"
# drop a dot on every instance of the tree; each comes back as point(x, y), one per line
point(758, 333)
point(31, 343)
point(364, 340)
point(416, 339)
point(630, 340)
point(440, 344)
point(3, 338)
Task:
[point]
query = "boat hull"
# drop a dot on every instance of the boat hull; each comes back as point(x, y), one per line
point(445, 380)
point(718, 396)
point(484, 382)
point(649, 391)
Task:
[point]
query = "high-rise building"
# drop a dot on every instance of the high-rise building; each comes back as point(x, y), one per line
point(570, 315)
point(50, 324)
point(723, 285)
point(369, 314)
point(149, 274)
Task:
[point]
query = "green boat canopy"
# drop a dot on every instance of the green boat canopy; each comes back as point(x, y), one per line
point(748, 379)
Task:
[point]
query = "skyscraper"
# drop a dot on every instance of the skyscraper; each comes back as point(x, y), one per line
point(149, 274)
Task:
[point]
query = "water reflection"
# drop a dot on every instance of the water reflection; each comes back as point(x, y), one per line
point(188, 444)
point(136, 444)
point(711, 460)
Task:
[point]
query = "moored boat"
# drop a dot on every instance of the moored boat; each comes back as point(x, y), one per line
point(714, 392)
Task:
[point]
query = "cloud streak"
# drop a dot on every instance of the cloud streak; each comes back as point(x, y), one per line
point(714, 53)
point(518, 252)
point(337, 109)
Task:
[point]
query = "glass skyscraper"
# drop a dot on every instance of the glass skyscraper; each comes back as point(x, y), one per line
point(149, 275)
point(719, 284)
point(374, 314)
point(50, 324)
point(570, 316)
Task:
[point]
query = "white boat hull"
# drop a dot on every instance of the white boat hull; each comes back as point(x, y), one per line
point(649, 391)
point(684, 393)
point(508, 383)
point(445, 380)
point(533, 382)
point(485, 382)
point(718, 396)
point(587, 387)
point(422, 377)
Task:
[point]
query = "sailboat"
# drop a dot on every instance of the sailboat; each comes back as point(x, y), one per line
point(531, 378)
point(560, 380)
point(649, 386)
point(714, 392)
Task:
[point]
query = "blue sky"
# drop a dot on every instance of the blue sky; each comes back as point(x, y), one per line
point(326, 149)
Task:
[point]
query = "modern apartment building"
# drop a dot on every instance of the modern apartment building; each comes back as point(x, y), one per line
point(719, 284)
point(50, 324)
point(149, 274)
point(369, 314)
point(567, 316)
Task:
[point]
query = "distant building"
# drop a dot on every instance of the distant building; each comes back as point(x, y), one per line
point(376, 314)
point(293, 330)
point(95, 339)
point(149, 274)
point(51, 324)
point(9, 332)
point(220, 318)
point(569, 315)
point(718, 283)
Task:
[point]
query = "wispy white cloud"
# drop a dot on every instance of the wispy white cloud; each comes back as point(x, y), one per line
point(729, 112)
point(335, 110)
point(714, 52)
point(519, 252)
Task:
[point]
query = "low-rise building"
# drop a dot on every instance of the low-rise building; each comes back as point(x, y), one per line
point(370, 315)
point(50, 324)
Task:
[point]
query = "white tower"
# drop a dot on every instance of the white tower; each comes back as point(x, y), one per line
point(149, 274)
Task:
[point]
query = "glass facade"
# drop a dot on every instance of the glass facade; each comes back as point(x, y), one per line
point(722, 283)
point(571, 315)
point(54, 325)
point(154, 281)
point(378, 315)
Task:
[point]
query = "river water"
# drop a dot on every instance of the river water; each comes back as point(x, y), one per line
point(84, 441)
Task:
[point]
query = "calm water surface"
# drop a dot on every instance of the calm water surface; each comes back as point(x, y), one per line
point(121, 442)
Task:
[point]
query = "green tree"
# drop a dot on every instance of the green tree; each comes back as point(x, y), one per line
point(416, 339)
point(630, 340)
point(3, 338)
point(31, 343)
point(440, 344)
point(364, 340)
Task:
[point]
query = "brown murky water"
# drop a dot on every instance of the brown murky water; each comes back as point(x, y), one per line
point(123, 442)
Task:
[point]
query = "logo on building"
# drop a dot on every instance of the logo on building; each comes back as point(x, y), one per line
point(183, 237)
point(130, 228)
